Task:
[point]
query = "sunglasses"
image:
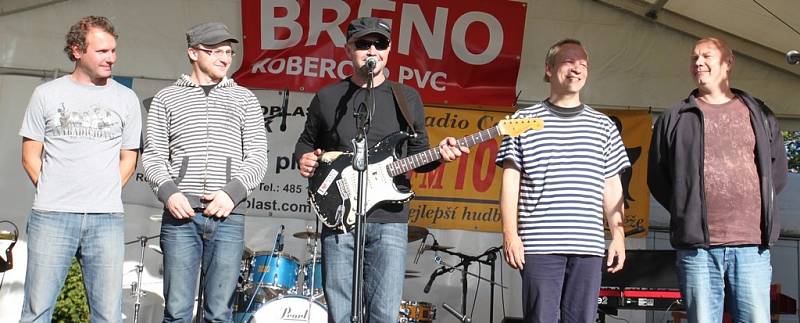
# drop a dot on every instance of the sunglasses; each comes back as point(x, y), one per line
point(365, 44)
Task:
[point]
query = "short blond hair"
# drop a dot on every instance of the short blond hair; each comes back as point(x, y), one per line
point(550, 59)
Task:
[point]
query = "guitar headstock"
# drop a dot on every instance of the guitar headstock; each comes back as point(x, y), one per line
point(514, 127)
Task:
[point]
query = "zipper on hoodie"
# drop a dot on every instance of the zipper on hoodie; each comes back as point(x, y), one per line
point(208, 135)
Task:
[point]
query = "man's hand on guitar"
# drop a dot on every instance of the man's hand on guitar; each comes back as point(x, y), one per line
point(450, 150)
point(308, 163)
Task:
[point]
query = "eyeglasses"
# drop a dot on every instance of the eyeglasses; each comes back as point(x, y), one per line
point(365, 44)
point(217, 52)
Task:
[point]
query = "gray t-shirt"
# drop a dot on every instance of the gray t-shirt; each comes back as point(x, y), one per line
point(83, 128)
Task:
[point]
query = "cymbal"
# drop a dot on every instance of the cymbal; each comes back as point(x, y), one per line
point(415, 233)
point(436, 247)
point(412, 274)
point(306, 235)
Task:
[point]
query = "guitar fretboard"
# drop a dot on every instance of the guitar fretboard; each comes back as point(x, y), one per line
point(404, 165)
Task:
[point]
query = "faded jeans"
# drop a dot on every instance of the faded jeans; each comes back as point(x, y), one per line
point(54, 238)
point(740, 274)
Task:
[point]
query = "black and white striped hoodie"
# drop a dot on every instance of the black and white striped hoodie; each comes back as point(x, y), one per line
point(199, 144)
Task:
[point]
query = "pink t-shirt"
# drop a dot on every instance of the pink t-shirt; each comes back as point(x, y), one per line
point(733, 195)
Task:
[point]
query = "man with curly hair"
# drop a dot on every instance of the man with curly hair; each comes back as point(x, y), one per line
point(80, 140)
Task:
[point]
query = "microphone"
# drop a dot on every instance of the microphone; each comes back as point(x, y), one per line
point(459, 316)
point(372, 61)
point(430, 281)
point(279, 240)
point(792, 57)
point(284, 107)
point(421, 248)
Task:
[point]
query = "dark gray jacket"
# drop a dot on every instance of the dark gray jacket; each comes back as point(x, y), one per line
point(675, 169)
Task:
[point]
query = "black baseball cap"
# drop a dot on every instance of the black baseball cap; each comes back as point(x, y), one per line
point(363, 26)
point(209, 33)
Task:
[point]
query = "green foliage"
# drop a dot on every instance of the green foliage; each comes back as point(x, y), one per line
point(72, 306)
point(791, 140)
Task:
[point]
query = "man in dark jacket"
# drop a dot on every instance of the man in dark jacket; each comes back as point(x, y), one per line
point(717, 162)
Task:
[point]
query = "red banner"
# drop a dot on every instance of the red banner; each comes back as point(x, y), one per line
point(455, 52)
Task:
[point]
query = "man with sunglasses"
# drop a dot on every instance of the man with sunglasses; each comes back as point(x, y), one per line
point(205, 150)
point(330, 127)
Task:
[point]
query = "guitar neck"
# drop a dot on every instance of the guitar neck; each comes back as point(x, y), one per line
point(406, 164)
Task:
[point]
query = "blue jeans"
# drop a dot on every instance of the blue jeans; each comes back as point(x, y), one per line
point(219, 243)
point(740, 274)
point(54, 238)
point(384, 271)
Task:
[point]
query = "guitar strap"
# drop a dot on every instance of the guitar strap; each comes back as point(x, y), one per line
point(402, 103)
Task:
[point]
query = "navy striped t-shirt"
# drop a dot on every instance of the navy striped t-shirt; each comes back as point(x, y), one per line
point(563, 168)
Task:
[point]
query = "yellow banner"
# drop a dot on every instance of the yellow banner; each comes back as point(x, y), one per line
point(464, 194)
point(636, 130)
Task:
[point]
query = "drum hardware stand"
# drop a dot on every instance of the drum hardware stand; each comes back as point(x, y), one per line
point(461, 317)
point(136, 287)
point(277, 247)
point(360, 162)
point(466, 261)
point(313, 262)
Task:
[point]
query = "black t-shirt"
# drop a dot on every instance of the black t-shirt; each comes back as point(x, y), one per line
point(207, 88)
point(330, 126)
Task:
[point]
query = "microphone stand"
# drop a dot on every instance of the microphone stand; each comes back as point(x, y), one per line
point(360, 162)
point(136, 288)
point(466, 261)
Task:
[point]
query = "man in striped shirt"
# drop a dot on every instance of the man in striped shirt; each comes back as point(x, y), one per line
point(205, 150)
point(557, 185)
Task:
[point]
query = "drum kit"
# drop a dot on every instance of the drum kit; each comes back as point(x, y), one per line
point(274, 286)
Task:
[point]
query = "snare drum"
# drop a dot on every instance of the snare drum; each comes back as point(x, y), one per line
point(291, 309)
point(416, 312)
point(274, 271)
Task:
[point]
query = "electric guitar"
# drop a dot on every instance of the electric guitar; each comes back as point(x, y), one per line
point(333, 188)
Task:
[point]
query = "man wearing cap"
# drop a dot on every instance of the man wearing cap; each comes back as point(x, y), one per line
point(80, 141)
point(330, 127)
point(205, 150)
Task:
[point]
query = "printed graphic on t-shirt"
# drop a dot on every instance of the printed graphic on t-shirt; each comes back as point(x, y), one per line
point(94, 122)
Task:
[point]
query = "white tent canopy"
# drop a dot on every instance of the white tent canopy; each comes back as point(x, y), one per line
point(635, 62)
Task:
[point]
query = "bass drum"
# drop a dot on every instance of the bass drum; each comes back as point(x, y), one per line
point(292, 309)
